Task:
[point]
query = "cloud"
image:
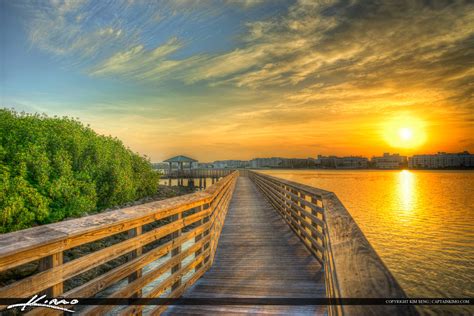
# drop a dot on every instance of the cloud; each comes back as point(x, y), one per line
point(70, 30)
point(137, 61)
point(330, 43)
point(328, 64)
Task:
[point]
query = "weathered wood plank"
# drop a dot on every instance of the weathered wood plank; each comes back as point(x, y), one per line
point(95, 285)
point(257, 256)
point(31, 285)
point(129, 289)
point(291, 218)
point(179, 291)
point(21, 247)
point(17, 248)
point(47, 243)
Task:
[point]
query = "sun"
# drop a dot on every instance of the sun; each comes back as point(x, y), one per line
point(404, 132)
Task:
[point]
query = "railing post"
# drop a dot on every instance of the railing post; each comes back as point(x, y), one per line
point(176, 251)
point(316, 226)
point(197, 239)
point(287, 204)
point(295, 212)
point(137, 274)
point(303, 206)
point(207, 232)
point(50, 262)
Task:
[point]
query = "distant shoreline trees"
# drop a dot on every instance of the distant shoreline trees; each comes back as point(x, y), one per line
point(54, 168)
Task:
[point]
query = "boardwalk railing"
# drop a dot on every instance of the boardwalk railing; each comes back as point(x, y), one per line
point(352, 267)
point(181, 232)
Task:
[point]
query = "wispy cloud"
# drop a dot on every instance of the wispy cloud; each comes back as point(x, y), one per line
point(137, 62)
point(330, 42)
point(246, 72)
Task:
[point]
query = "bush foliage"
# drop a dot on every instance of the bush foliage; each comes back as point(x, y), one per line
point(54, 168)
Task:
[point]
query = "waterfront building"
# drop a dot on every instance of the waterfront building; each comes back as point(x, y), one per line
point(442, 160)
point(389, 161)
point(266, 162)
point(205, 165)
point(351, 162)
point(298, 163)
point(231, 164)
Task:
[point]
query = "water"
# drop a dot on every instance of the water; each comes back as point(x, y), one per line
point(421, 223)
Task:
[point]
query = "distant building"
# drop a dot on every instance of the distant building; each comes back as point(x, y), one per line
point(387, 161)
point(205, 165)
point(266, 162)
point(442, 160)
point(232, 164)
point(273, 162)
point(160, 166)
point(291, 163)
point(334, 162)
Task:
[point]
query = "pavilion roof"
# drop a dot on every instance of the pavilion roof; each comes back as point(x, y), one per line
point(180, 158)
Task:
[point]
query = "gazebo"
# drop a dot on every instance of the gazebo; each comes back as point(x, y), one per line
point(180, 160)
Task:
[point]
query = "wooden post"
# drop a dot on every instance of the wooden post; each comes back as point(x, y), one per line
point(302, 214)
point(207, 232)
point(198, 238)
point(48, 263)
point(315, 225)
point(176, 251)
point(137, 274)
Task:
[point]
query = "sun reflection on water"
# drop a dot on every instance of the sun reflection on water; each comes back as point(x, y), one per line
point(406, 190)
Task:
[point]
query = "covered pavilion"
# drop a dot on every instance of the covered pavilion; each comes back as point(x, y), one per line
point(181, 161)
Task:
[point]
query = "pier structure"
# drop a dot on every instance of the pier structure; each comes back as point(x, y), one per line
point(195, 177)
point(247, 236)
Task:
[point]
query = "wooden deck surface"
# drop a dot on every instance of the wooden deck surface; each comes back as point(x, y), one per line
point(258, 256)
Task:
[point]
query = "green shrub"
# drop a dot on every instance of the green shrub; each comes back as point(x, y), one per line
point(53, 168)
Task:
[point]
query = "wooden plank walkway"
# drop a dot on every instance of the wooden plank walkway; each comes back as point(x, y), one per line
point(258, 256)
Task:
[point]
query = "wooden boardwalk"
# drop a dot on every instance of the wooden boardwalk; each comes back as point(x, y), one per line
point(249, 235)
point(257, 256)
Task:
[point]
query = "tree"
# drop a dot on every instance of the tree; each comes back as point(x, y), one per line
point(54, 168)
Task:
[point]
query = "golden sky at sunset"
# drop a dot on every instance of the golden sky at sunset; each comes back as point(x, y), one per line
point(244, 79)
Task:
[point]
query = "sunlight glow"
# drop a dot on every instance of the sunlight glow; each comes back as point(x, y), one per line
point(404, 132)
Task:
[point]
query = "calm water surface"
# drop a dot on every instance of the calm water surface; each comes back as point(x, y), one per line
point(421, 223)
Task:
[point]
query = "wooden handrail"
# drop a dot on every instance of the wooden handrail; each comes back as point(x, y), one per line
point(352, 267)
point(198, 216)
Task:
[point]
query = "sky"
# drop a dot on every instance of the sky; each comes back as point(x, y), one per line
point(236, 79)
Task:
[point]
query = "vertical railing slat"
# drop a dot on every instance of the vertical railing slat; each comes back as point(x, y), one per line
point(137, 274)
point(49, 262)
point(176, 251)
